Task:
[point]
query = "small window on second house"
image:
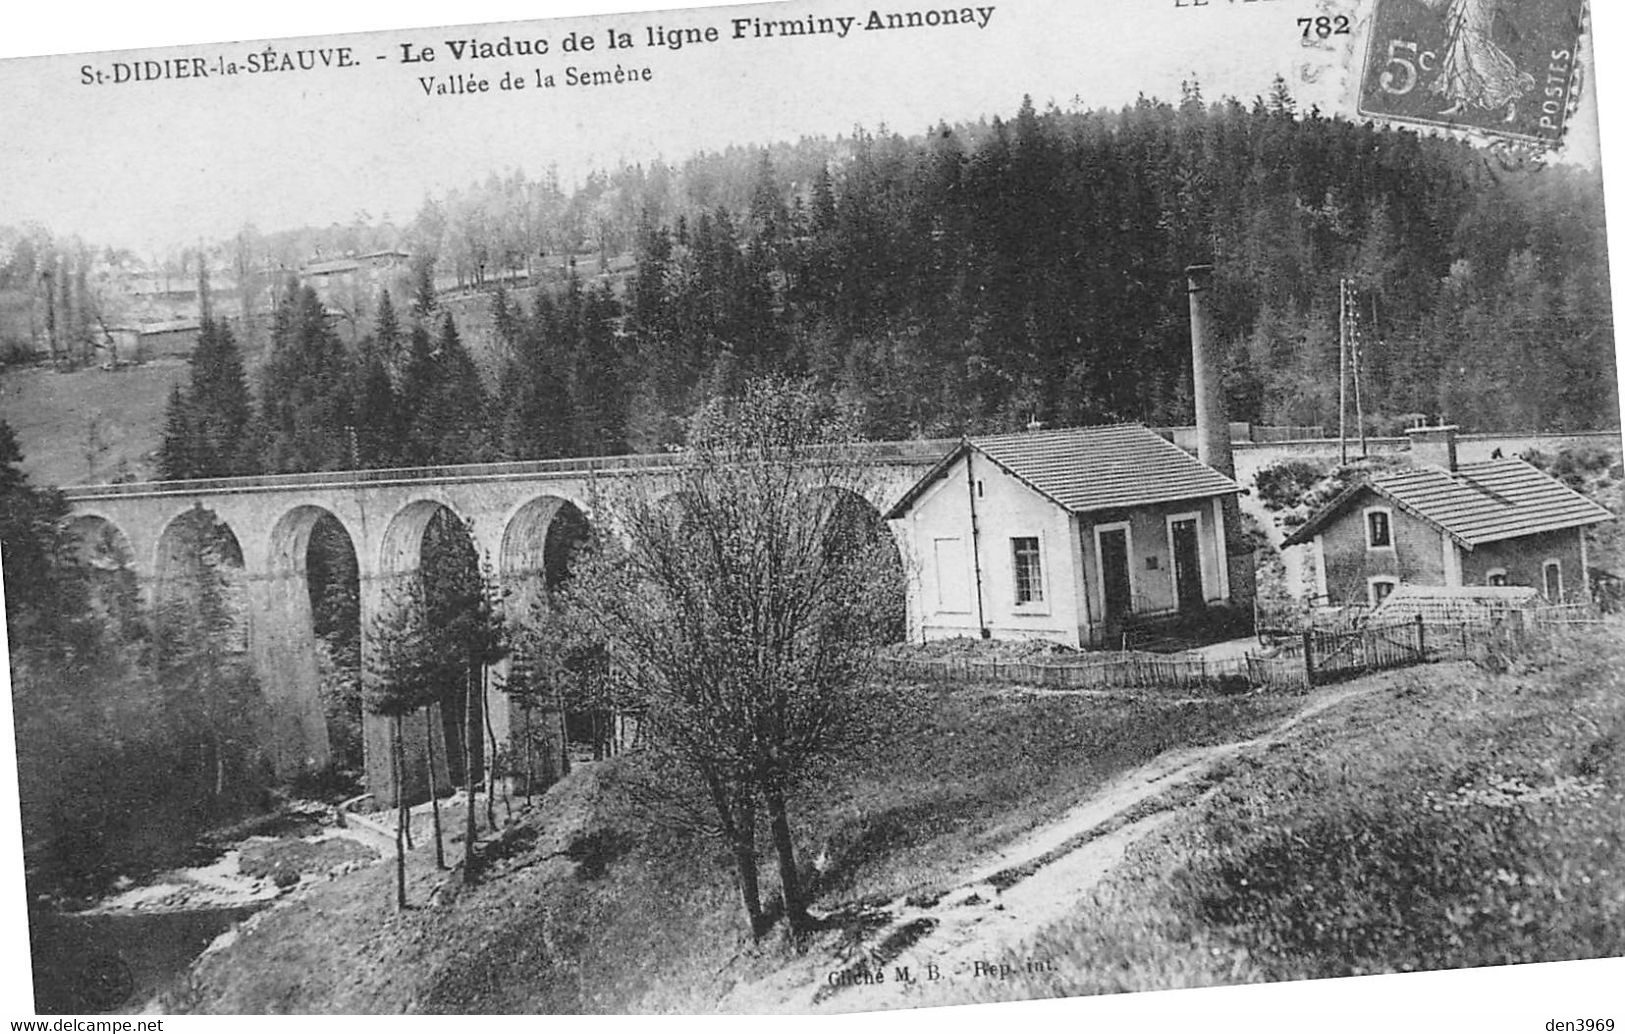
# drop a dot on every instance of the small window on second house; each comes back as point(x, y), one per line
point(1379, 531)
point(1497, 576)
point(1029, 573)
point(1380, 589)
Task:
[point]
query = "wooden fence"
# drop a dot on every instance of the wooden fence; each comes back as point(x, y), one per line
point(1127, 669)
point(1566, 614)
point(1327, 655)
point(1310, 658)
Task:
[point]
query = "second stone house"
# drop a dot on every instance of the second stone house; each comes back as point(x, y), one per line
point(1500, 522)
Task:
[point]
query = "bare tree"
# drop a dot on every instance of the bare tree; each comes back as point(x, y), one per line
point(747, 603)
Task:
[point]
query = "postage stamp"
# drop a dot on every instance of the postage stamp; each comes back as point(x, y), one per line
point(1505, 68)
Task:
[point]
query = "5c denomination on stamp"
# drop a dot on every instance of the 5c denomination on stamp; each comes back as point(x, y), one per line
point(1499, 67)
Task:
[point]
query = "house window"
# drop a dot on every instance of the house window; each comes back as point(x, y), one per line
point(1380, 588)
point(1029, 572)
point(1379, 529)
point(1552, 576)
point(1497, 576)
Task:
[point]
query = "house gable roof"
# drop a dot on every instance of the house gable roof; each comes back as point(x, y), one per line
point(1082, 469)
point(1477, 504)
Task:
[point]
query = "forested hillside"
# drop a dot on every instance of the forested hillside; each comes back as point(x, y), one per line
point(978, 280)
point(982, 276)
point(975, 277)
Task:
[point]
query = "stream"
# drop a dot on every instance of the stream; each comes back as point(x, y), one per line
point(120, 952)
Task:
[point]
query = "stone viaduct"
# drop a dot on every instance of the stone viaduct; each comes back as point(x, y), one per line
point(511, 510)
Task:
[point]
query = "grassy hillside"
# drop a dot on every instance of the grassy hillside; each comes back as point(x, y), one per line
point(604, 904)
point(1444, 816)
point(1458, 818)
point(89, 425)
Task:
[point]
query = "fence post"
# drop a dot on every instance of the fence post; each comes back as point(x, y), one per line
point(1308, 659)
point(1421, 638)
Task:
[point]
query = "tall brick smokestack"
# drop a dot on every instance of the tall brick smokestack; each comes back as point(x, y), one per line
point(1213, 434)
point(1207, 377)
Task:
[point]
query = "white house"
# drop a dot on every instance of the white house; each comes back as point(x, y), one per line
point(1066, 535)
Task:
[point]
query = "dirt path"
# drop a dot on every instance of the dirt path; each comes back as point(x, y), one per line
point(1010, 896)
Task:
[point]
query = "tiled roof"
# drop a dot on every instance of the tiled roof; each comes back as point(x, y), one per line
point(1092, 468)
point(1479, 503)
point(166, 326)
point(349, 263)
point(345, 265)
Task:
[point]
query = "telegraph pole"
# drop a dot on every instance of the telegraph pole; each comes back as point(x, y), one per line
point(1353, 322)
point(1343, 370)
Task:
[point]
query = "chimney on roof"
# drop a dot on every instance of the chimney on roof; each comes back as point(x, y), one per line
point(1434, 446)
point(1207, 369)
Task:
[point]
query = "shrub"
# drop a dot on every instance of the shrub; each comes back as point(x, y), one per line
point(1283, 484)
point(1577, 466)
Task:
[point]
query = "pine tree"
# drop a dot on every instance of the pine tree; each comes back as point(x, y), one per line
point(597, 378)
point(419, 440)
point(535, 400)
point(48, 616)
point(458, 409)
point(177, 456)
point(400, 669)
point(506, 321)
point(305, 402)
point(220, 400)
point(201, 643)
point(206, 425)
point(463, 621)
point(386, 336)
point(408, 674)
point(378, 417)
point(424, 299)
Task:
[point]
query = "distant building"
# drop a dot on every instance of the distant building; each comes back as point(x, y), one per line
point(349, 287)
point(1441, 523)
point(161, 292)
point(352, 268)
point(1068, 535)
point(153, 298)
point(139, 342)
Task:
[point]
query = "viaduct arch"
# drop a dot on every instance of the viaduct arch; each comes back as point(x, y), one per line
point(522, 518)
point(519, 516)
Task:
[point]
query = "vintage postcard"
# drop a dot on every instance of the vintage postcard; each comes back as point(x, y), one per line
point(807, 508)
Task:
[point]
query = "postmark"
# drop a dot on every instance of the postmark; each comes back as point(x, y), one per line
point(1501, 68)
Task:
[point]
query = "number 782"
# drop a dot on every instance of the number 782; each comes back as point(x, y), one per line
point(1326, 26)
point(1405, 62)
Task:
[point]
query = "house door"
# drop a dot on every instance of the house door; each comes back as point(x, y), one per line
point(1552, 574)
point(1187, 564)
point(1114, 574)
